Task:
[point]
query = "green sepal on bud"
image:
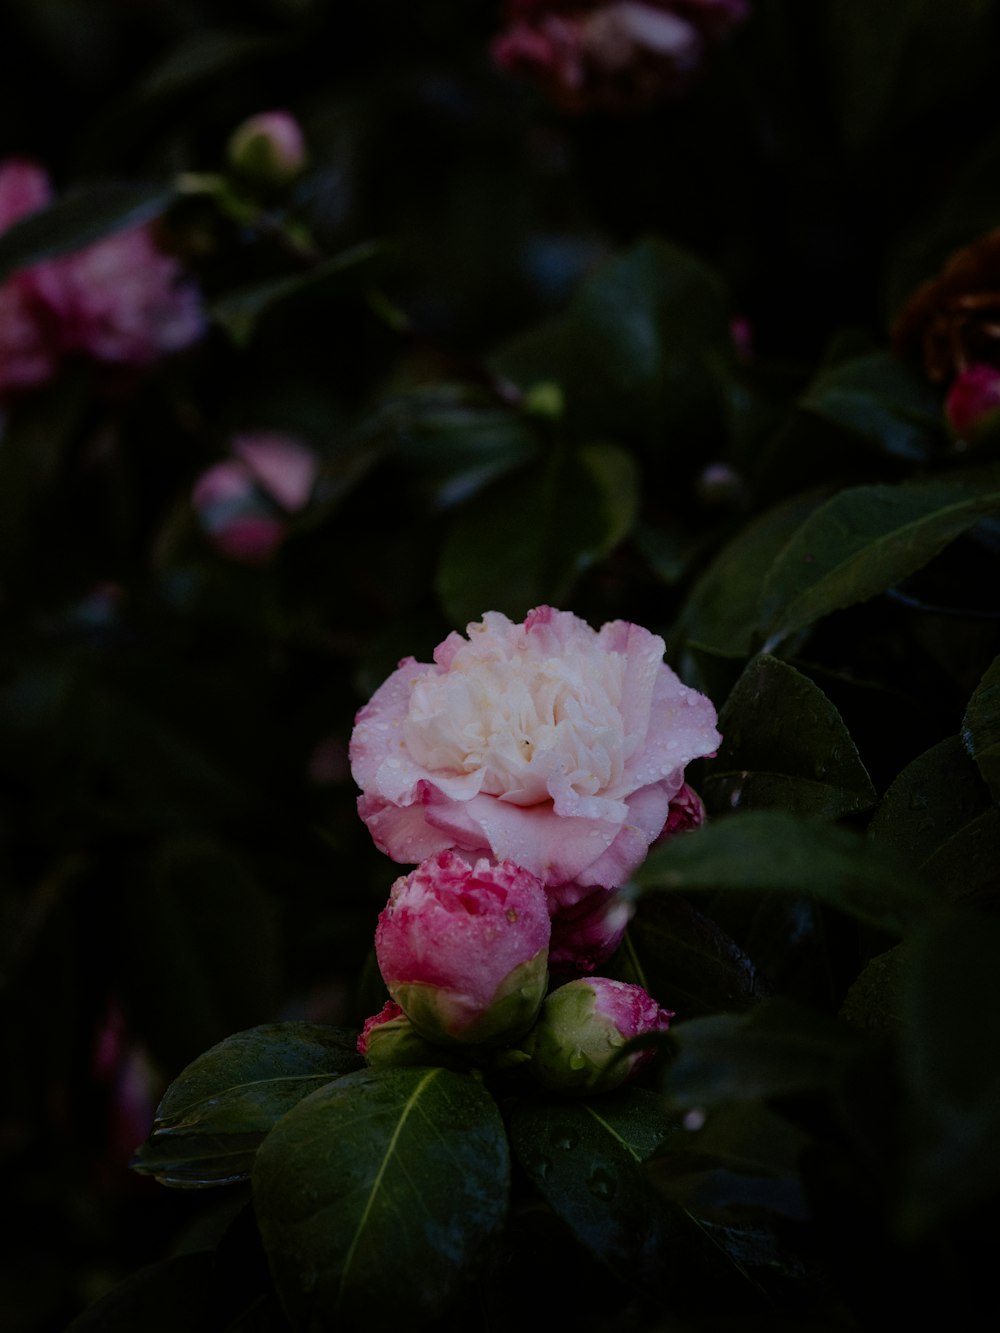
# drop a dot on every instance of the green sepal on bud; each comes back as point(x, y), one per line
point(446, 1017)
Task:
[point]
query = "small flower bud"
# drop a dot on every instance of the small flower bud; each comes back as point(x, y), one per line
point(389, 1038)
point(268, 149)
point(463, 950)
point(581, 1028)
point(973, 402)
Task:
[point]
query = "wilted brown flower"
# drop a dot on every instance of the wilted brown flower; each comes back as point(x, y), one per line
point(953, 319)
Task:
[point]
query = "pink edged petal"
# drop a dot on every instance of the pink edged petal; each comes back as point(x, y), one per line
point(401, 832)
point(378, 725)
point(648, 812)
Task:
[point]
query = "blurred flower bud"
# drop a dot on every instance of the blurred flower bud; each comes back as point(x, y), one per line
point(243, 502)
point(267, 150)
point(463, 950)
point(973, 402)
point(582, 1027)
point(687, 812)
point(585, 933)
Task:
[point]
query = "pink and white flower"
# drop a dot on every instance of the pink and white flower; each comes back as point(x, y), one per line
point(615, 54)
point(119, 301)
point(546, 743)
point(463, 950)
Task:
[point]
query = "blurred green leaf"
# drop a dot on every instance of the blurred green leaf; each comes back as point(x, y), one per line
point(882, 400)
point(454, 441)
point(160, 1297)
point(981, 727)
point(863, 541)
point(951, 1070)
point(78, 219)
point(874, 1001)
point(731, 1163)
point(239, 312)
point(639, 352)
point(203, 955)
point(686, 959)
point(216, 1113)
point(203, 55)
point(774, 1050)
point(541, 528)
point(772, 851)
point(377, 1194)
point(785, 746)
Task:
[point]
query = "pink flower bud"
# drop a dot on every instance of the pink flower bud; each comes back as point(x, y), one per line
point(268, 149)
point(242, 502)
point(582, 1027)
point(973, 400)
point(585, 933)
point(463, 950)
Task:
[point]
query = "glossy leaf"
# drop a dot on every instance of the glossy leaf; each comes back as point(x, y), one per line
point(863, 541)
point(80, 218)
point(217, 1112)
point(686, 959)
point(585, 1159)
point(981, 727)
point(771, 851)
point(722, 613)
point(785, 746)
point(377, 1194)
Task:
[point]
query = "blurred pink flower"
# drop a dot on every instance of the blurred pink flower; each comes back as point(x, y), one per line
point(546, 743)
point(118, 301)
point(243, 502)
point(463, 950)
point(973, 400)
point(614, 54)
point(580, 1030)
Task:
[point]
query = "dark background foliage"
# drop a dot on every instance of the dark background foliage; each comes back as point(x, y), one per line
point(508, 337)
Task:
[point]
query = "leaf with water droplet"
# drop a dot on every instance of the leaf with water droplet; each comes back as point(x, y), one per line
point(389, 1184)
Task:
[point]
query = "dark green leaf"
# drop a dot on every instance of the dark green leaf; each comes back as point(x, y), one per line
point(239, 312)
point(939, 819)
point(453, 442)
point(882, 400)
point(874, 1001)
point(541, 527)
point(377, 1194)
point(863, 541)
point(639, 351)
point(585, 1158)
point(216, 1113)
point(686, 960)
point(175, 1293)
point(208, 53)
point(951, 1069)
point(785, 746)
point(80, 218)
point(732, 1163)
point(981, 727)
point(776, 1049)
point(771, 851)
point(723, 611)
